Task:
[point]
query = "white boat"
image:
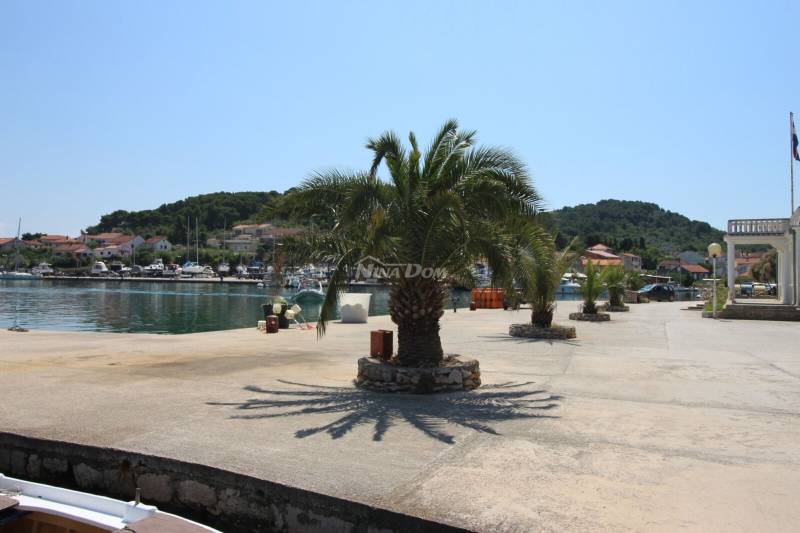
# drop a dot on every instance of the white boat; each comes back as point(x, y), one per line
point(43, 269)
point(172, 271)
point(28, 506)
point(568, 284)
point(224, 268)
point(309, 291)
point(99, 268)
point(16, 274)
point(156, 268)
point(194, 269)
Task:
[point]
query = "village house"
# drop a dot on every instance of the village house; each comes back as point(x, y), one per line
point(258, 231)
point(158, 244)
point(696, 272)
point(51, 241)
point(247, 237)
point(631, 261)
point(111, 251)
point(603, 256)
point(667, 267)
point(125, 244)
point(7, 243)
point(76, 250)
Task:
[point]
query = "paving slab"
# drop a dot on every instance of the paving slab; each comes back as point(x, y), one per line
point(656, 421)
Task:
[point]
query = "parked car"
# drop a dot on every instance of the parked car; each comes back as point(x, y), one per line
point(658, 291)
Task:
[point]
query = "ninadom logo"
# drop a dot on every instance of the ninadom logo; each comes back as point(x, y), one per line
point(373, 268)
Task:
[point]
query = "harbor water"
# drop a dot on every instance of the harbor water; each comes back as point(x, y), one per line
point(159, 307)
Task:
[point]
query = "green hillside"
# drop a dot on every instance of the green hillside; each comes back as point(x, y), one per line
point(211, 211)
point(639, 227)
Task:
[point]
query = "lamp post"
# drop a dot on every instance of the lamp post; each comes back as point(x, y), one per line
point(714, 251)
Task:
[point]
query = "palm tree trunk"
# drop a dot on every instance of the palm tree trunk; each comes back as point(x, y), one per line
point(416, 305)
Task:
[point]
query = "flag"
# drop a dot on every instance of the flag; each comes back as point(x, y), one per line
point(794, 142)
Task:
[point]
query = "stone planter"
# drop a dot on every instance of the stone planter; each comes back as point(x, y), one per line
point(616, 308)
point(585, 317)
point(456, 373)
point(530, 331)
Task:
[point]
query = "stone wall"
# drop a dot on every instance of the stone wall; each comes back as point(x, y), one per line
point(457, 373)
point(589, 317)
point(226, 500)
point(534, 332)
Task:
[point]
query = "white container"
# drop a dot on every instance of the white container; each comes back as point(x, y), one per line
point(354, 307)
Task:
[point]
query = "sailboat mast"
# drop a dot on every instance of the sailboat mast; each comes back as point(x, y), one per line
point(197, 241)
point(188, 230)
point(16, 246)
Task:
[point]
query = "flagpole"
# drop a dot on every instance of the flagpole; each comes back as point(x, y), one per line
point(791, 161)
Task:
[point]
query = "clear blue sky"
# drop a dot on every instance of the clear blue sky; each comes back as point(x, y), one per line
point(127, 105)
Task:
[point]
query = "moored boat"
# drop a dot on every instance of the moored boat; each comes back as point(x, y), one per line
point(28, 506)
point(309, 291)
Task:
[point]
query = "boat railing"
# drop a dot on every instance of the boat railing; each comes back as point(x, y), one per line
point(758, 226)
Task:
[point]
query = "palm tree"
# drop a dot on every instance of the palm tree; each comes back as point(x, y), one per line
point(438, 212)
point(614, 277)
point(591, 287)
point(540, 271)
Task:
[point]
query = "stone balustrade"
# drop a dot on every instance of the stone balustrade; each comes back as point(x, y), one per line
point(758, 226)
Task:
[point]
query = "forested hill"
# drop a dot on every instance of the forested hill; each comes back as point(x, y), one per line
point(640, 227)
point(211, 211)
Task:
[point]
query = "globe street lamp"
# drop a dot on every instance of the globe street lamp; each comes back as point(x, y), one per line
point(714, 251)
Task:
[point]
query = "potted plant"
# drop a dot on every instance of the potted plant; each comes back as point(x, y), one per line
point(591, 288)
point(541, 267)
point(615, 282)
point(428, 220)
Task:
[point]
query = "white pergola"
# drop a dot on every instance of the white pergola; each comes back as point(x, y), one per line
point(783, 234)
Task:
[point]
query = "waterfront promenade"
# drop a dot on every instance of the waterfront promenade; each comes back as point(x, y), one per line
point(656, 421)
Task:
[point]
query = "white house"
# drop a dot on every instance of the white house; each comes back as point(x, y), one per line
point(107, 252)
point(783, 234)
point(158, 244)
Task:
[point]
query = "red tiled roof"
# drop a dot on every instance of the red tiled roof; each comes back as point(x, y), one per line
point(602, 262)
point(70, 248)
point(153, 240)
point(6, 240)
point(600, 247)
point(695, 269)
point(53, 238)
point(600, 254)
point(285, 232)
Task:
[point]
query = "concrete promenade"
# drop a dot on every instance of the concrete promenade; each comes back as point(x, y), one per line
point(656, 421)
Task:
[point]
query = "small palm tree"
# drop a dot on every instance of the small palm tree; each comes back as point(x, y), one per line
point(540, 271)
point(614, 278)
point(439, 211)
point(591, 288)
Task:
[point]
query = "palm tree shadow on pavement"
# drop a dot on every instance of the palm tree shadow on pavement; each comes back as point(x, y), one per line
point(428, 413)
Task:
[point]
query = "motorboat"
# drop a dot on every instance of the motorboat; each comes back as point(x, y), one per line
point(43, 269)
point(172, 271)
point(568, 285)
point(99, 268)
point(194, 269)
point(309, 291)
point(223, 268)
point(156, 268)
point(29, 506)
point(17, 274)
